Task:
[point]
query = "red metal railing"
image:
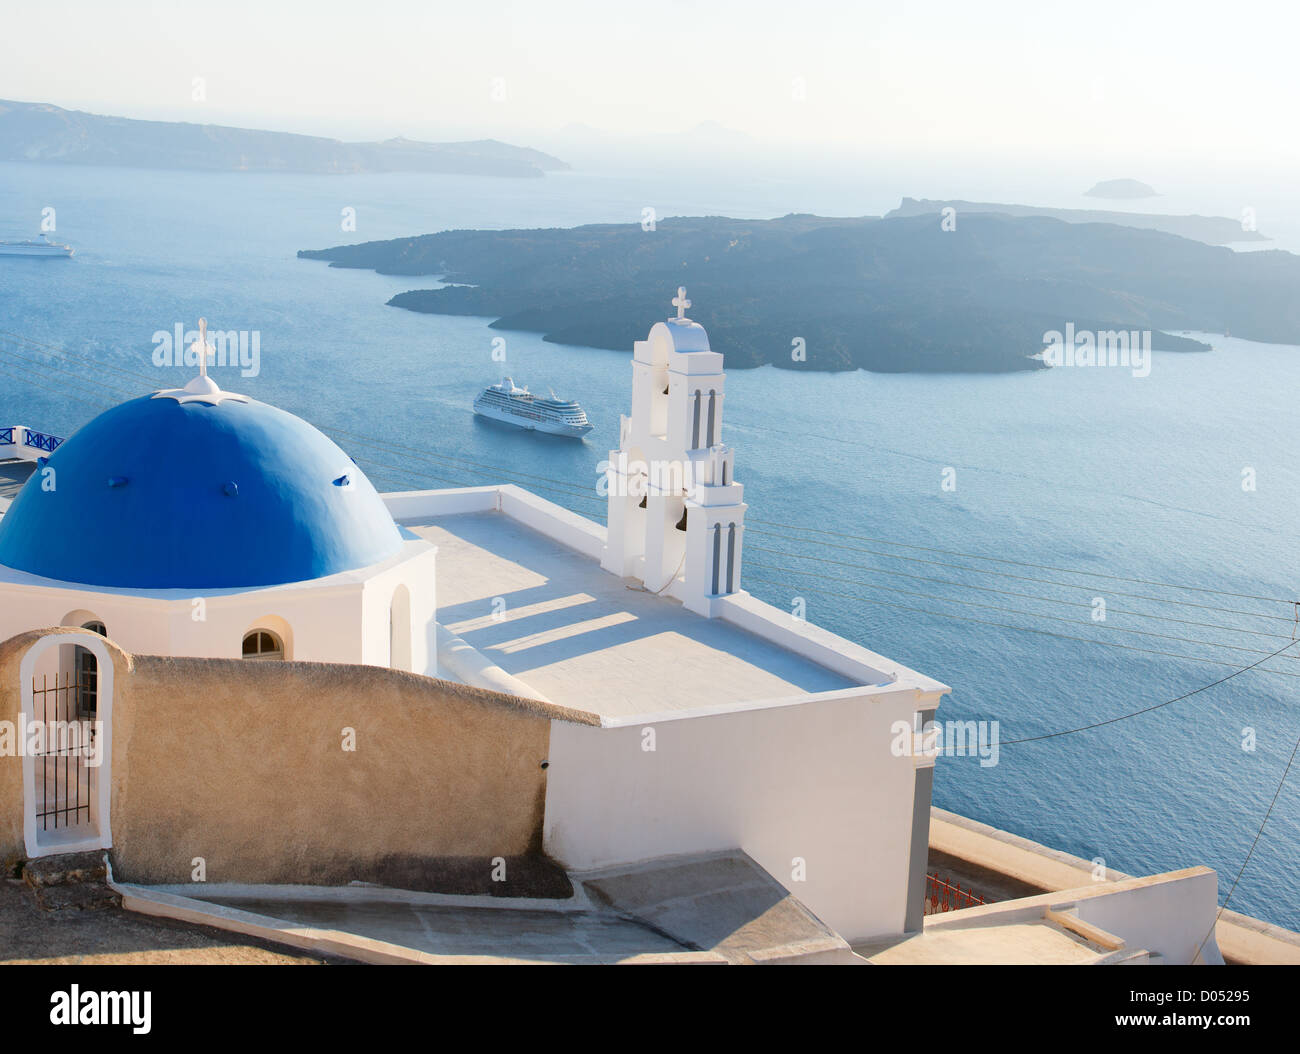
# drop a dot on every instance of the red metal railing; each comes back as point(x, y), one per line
point(944, 896)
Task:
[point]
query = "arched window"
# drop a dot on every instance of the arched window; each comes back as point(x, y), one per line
point(262, 644)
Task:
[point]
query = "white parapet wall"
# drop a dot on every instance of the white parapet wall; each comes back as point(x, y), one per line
point(821, 646)
point(1242, 940)
point(1171, 915)
point(411, 506)
point(25, 444)
point(547, 518)
point(460, 661)
point(554, 521)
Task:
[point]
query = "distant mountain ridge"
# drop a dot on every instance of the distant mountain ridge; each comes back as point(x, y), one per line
point(1213, 230)
point(888, 295)
point(42, 132)
point(1121, 188)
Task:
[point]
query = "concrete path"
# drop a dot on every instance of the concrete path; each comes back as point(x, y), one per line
point(719, 908)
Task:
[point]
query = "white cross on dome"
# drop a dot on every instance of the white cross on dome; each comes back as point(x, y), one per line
point(201, 347)
point(201, 389)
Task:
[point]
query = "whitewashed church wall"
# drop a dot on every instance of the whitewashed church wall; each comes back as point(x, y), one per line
point(811, 789)
point(143, 622)
point(326, 624)
point(417, 574)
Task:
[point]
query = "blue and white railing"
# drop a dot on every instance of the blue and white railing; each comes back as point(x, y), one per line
point(26, 444)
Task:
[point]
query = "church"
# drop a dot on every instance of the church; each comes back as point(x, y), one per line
point(289, 554)
point(297, 681)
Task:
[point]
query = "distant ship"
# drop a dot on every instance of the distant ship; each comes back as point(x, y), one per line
point(515, 406)
point(40, 246)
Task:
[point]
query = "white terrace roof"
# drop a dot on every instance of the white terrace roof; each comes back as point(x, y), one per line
point(584, 638)
point(13, 474)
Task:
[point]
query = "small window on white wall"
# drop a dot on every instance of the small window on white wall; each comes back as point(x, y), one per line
point(262, 644)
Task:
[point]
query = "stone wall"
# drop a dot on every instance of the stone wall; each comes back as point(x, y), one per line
point(242, 765)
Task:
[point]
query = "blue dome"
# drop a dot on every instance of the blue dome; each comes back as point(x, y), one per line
point(165, 494)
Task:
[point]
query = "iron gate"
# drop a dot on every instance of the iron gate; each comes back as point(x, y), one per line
point(66, 710)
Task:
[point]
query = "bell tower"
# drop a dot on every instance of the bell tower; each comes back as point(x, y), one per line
point(676, 512)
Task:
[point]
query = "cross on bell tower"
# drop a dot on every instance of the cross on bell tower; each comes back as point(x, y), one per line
point(681, 303)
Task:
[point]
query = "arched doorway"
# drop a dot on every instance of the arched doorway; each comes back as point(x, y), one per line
point(67, 773)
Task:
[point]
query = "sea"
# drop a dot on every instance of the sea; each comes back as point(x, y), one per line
point(1082, 554)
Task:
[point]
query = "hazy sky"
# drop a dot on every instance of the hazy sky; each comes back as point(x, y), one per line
point(1101, 79)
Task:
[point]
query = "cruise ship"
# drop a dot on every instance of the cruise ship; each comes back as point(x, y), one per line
point(39, 246)
point(516, 406)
